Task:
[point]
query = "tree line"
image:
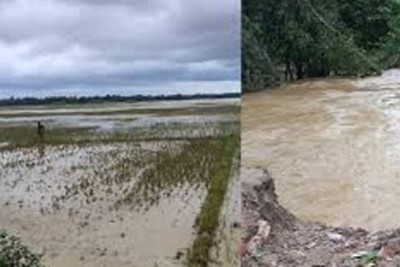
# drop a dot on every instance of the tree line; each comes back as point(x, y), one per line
point(60, 100)
point(295, 39)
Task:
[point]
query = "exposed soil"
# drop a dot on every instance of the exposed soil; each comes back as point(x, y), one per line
point(275, 237)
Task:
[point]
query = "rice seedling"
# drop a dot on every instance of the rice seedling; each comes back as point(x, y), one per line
point(207, 220)
point(93, 178)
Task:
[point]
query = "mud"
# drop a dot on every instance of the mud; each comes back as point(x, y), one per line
point(93, 198)
point(64, 204)
point(292, 242)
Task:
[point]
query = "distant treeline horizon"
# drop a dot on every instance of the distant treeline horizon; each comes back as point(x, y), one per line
point(14, 101)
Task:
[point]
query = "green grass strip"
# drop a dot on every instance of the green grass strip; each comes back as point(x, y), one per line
point(207, 221)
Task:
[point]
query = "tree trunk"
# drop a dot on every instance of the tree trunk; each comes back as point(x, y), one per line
point(288, 71)
point(300, 71)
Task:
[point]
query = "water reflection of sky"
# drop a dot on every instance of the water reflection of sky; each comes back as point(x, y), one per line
point(115, 107)
point(116, 122)
point(65, 116)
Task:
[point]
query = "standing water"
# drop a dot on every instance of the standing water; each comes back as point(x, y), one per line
point(333, 147)
point(110, 184)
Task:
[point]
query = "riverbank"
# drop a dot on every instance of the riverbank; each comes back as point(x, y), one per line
point(275, 237)
point(389, 79)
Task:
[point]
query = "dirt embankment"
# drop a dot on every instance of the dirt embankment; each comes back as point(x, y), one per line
point(275, 237)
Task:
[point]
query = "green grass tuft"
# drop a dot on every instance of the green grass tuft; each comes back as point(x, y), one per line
point(207, 221)
point(14, 254)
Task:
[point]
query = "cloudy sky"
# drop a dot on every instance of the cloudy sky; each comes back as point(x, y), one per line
point(89, 47)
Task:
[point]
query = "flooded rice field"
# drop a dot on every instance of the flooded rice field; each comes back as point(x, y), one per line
point(111, 184)
point(333, 147)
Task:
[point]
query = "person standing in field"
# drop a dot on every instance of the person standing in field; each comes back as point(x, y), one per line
point(40, 130)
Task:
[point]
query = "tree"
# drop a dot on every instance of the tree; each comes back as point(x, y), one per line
point(312, 38)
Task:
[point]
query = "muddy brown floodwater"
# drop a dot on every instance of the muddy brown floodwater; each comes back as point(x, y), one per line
point(332, 146)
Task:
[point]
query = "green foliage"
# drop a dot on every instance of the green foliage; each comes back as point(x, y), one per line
point(310, 38)
point(14, 254)
point(390, 48)
point(207, 221)
point(366, 20)
point(258, 69)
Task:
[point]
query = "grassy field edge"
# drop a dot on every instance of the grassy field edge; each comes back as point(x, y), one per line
point(207, 221)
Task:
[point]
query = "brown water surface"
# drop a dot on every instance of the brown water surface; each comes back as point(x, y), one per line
point(333, 147)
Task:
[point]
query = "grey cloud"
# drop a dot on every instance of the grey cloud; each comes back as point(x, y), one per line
point(99, 43)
